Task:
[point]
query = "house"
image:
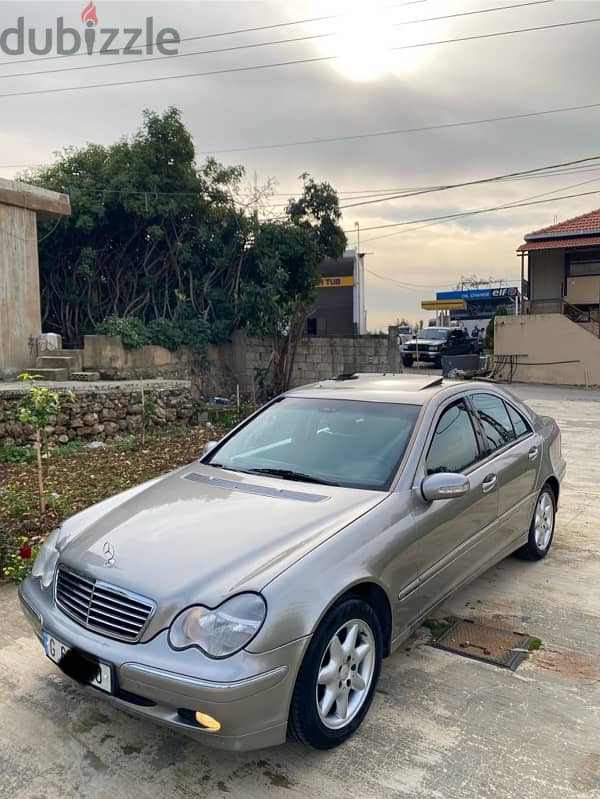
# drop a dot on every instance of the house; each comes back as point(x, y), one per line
point(340, 303)
point(556, 339)
point(564, 265)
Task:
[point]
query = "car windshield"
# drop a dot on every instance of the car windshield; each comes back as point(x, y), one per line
point(341, 442)
point(432, 333)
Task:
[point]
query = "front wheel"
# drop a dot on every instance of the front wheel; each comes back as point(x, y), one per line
point(337, 679)
point(541, 531)
point(408, 362)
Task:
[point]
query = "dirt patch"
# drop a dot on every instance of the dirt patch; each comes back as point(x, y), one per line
point(568, 664)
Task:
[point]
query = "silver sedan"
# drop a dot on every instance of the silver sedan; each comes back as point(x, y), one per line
point(253, 594)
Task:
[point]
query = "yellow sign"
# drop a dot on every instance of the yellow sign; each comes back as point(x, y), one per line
point(443, 305)
point(336, 282)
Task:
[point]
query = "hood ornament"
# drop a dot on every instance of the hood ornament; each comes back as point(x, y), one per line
point(109, 554)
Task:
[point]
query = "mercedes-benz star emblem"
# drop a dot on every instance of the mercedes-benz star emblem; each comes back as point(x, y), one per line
point(109, 554)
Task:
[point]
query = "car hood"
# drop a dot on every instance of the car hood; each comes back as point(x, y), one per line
point(201, 534)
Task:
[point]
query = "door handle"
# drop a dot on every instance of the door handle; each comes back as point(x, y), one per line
point(489, 483)
point(533, 453)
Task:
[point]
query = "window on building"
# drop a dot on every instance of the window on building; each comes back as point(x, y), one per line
point(582, 264)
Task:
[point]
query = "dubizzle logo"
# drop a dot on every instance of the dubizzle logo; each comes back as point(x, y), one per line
point(19, 39)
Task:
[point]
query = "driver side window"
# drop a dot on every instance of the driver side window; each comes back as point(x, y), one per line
point(454, 446)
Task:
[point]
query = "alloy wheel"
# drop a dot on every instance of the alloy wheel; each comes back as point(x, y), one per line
point(543, 523)
point(345, 674)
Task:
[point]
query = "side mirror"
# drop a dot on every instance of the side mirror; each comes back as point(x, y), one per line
point(445, 485)
point(208, 447)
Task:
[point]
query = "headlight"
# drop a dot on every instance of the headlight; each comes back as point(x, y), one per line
point(434, 347)
point(47, 558)
point(222, 631)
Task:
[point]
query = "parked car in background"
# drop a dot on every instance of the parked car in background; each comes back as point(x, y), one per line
point(253, 594)
point(432, 343)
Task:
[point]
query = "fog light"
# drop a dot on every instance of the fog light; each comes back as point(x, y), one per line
point(207, 722)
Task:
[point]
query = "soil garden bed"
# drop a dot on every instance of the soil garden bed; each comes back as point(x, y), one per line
point(75, 480)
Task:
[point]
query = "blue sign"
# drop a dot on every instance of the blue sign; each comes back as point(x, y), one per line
point(477, 294)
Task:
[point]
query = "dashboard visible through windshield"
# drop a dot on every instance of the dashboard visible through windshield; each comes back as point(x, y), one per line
point(336, 442)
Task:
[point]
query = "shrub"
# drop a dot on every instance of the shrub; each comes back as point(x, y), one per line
point(166, 333)
point(132, 330)
point(193, 332)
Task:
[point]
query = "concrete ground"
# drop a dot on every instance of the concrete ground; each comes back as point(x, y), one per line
point(440, 726)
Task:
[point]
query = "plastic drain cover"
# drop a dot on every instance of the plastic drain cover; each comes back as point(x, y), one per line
point(489, 644)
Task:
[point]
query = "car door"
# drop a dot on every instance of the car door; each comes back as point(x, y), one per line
point(455, 534)
point(514, 451)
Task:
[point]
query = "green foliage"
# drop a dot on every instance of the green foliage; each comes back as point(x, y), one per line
point(489, 331)
point(132, 330)
point(160, 250)
point(126, 444)
point(72, 448)
point(11, 453)
point(170, 333)
point(36, 407)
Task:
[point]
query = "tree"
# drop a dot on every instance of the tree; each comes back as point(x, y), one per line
point(35, 409)
point(284, 268)
point(489, 331)
point(160, 249)
point(150, 236)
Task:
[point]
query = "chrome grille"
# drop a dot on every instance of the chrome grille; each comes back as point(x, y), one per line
point(101, 607)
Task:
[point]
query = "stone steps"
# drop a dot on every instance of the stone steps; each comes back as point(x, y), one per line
point(69, 361)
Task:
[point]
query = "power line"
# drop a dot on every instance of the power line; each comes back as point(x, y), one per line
point(210, 35)
point(255, 45)
point(506, 206)
point(471, 213)
point(295, 62)
point(494, 179)
point(401, 131)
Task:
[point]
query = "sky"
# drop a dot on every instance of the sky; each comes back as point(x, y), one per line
point(369, 86)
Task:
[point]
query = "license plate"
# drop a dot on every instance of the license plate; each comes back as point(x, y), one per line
point(415, 356)
point(56, 649)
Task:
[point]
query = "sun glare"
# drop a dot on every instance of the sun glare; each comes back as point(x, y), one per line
point(365, 36)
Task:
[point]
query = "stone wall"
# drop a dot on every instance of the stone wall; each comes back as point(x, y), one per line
point(243, 361)
point(107, 356)
point(100, 414)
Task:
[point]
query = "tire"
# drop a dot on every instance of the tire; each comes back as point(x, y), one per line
point(541, 530)
point(437, 363)
point(408, 362)
point(310, 721)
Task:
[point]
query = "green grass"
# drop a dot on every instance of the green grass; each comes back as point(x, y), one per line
point(72, 448)
point(534, 644)
point(439, 626)
point(11, 453)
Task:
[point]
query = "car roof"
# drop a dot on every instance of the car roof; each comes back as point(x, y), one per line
point(398, 388)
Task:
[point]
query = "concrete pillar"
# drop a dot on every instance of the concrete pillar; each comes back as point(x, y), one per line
point(20, 311)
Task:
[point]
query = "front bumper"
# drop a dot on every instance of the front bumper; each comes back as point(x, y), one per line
point(251, 702)
point(422, 355)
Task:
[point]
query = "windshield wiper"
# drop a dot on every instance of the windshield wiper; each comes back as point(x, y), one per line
point(289, 474)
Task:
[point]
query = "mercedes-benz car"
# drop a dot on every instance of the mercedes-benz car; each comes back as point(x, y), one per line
point(253, 594)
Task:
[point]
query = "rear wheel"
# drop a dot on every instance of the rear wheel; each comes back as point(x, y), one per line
point(337, 679)
point(541, 531)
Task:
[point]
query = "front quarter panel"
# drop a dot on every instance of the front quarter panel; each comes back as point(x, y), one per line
point(367, 550)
